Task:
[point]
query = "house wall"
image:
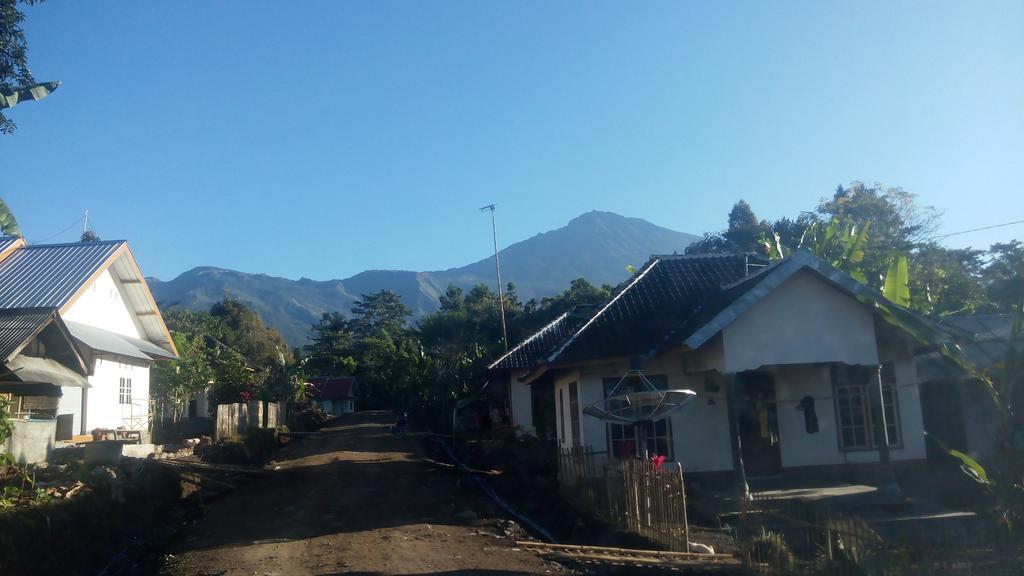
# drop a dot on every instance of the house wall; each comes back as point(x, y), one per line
point(803, 321)
point(562, 419)
point(71, 403)
point(522, 403)
point(103, 409)
point(700, 430)
point(101, 305)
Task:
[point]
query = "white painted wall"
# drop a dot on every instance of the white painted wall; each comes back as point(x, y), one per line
point(562, 418)
point(71, 403)
point(522, 404)
point(103, 409)
point(798, 448)
point(700, 430)
point(803, 321)
point(100, 305)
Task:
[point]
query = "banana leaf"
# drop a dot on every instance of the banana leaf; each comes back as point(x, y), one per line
point(897, 282)
point(12, 98)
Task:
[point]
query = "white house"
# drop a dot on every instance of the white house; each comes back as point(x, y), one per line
point(101, 298)
point(785, 357)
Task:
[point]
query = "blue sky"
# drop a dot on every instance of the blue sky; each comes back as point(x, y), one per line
point(319, 139)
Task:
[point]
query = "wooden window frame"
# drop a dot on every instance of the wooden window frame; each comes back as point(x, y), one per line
point(124, 391)
point(894, 421)
point(629, 433)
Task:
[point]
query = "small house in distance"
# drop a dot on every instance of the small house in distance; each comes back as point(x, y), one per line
point(334, 396)
point(786, 357)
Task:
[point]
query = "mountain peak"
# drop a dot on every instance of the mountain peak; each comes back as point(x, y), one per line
point(596, 245)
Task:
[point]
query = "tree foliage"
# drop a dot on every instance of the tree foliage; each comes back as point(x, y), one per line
point(228, 350)
point(16, 80)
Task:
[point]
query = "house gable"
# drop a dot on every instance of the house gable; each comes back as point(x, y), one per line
point(804, 320)
point(102, 305)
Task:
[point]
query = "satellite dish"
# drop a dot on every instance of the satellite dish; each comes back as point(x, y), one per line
point(639, 407)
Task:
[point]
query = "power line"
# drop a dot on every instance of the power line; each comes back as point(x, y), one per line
point(976, 229)
point(52, 236)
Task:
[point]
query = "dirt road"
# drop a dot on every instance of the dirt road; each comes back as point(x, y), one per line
point(355, 500)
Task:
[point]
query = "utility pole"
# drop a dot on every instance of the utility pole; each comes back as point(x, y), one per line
point(497, 271)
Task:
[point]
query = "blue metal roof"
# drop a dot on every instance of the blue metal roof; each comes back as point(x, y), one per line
point(6, 242)
point(50, 275)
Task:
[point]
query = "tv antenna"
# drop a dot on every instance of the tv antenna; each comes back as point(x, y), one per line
point(497, 271)
point(640, 408)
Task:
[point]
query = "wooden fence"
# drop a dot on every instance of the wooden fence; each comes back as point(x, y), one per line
point(630, 494)
point(236, 419)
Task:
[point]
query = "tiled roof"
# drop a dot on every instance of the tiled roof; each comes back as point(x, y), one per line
point(986, 345)
point(664, 294)
point(50, 275)
point(333, 388)
point(18, 325)
point(535, 348)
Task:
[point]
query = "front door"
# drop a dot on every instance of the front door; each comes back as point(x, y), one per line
point(758, 423)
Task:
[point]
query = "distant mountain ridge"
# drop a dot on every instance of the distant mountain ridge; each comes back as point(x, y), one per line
point(597, 246)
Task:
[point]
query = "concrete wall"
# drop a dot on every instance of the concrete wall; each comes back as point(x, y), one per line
point(31, 441)
point(101, 306)
point(103, 409)
point(803, 321)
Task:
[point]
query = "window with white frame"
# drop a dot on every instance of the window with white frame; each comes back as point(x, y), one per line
point(855, 414)
point(624, 439)
point(124, 394)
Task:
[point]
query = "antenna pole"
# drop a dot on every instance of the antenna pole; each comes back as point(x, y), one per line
point(85, 223)
point(497, 271)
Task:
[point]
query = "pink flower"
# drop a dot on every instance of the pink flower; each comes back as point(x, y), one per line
point(657, 461)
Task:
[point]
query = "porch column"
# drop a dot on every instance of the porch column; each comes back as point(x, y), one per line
point(742, 489)
point(886, 479)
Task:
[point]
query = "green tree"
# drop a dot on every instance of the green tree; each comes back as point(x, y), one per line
point(90, 236)
point(378, 312)
point(330, 352)
point(177, 381)
point(1004, 276)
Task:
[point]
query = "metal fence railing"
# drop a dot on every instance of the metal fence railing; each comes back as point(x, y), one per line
point(632, 494)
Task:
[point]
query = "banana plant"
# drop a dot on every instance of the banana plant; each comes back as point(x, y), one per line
point(8, 224)
point(33, 93)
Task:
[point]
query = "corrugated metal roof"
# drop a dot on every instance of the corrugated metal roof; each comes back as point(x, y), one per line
point(19, 325)
point(6, 242)
point(50, 275)
point(105, 340)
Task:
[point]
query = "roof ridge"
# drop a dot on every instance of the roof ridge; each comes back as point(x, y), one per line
point(66, 244)
point(654, 262)
point(533, 337)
